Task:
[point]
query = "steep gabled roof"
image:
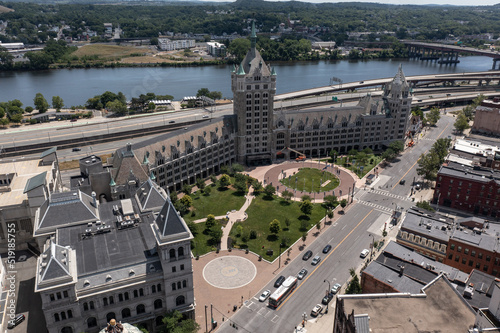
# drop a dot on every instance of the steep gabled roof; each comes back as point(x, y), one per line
point(54, 263)
point(48, 152)
point(170, 224)
point(35, 181)
point(129, 164)
point(66, 208)
point(149, 197)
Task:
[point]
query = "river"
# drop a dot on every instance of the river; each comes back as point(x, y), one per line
point(75, 86)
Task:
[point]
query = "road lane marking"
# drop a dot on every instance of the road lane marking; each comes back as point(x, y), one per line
point(324, 260)
point(396, 184)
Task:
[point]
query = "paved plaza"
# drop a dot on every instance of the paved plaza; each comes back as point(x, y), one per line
point(229, 272)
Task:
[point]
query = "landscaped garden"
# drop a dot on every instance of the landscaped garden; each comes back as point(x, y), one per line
point(311, 180)
point(255, 233)
point(359, 162)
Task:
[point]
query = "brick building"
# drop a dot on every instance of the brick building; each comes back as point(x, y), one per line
point(471, 189)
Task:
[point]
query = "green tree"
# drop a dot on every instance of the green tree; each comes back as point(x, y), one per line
point(213, 179)
point(304, 237)
point(388, 154)
point(57, 103)
point(207, 190)
point(397, 146)
point(187, 201)
point(27, 109)
point(305, 197)
point(117, 107)
point(215, 236)
point(41, 103)
point(275, 226)
point(354, 286)
point(200, 183)
point(173, 197)
point(224, 181)
point(287, 223)
point(257, 187)
point(203, 92)
point(306, 207)
point(16, 118)
point(433, 116)
point(239, 48)
point(343, 203)
point(174, 322)
point(240, 186)
point(425, 205)
point(330, 214)
point(428, 166)
point(333, 155)
point(4, 122)
point(186, 189)
point(287, 195)
point(269, 191)
point(239, 230)
point(210, 222)
point(330, 201)
point(6, 59)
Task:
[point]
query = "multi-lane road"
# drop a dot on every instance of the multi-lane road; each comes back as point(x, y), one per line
point(348, 236)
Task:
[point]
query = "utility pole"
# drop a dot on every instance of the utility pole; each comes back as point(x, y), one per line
point(206, 325)
point(211, 316)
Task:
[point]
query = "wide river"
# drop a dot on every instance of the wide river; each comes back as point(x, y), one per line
point(75, 86)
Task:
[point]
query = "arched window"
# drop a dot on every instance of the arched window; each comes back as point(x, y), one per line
point(158, 304)
point(91, 322)
point(120, 297)
point(126, 313)
point(63, 315)
point(173, 286)
point(70, 314)
point(125, 295)
point(158, 286)
point(159, 321)
point(180, 251)
point(111, 300)
point(140, 308)
point(281, 135)
point(184, 283)
point(179, 285)
point(153, 289)
point(109, 316)
point(56, 316)
point(67, 329)
point(141, 292)
point(136, 294)
point(180, 300)
point(85, 306)
point(172, 253)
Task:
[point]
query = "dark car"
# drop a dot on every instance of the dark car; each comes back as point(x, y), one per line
point(76, 149)
point(402, 182)
point(327, 298)
point(171, 121)
point(327, 248)
point(279, 281)
point(16, 321)
point(307, 255)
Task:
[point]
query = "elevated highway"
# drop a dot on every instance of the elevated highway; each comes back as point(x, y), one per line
point(486, 77)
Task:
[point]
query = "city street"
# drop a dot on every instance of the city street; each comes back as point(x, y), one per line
point(349, 235)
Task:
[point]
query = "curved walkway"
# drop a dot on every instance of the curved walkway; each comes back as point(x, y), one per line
point(347, 179)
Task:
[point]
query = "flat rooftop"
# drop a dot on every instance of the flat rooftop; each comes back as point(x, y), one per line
point(440, 309)
point(25, 169)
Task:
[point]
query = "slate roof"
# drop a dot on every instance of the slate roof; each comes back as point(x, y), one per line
point(149, 197)
point(35, 181)
point(401, 283)
point(65, 208)
point(427, 224)
point(55, 263)
point(48, 152)
point(169, 222)
point(128, 164)
point(483, 289)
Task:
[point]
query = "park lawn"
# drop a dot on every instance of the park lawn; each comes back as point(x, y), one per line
point(218, 203)
point(308, 179)
point(106, 51)
point(261, 212)
point(200, 245)
point(355, 168)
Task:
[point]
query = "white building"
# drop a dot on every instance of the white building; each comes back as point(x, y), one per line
point(128, 260)
point(216, 49)
point(166, 44)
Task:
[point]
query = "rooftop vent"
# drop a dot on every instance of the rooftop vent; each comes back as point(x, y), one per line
point(152, 268)
point(108, 278)
point(131, 272)
point(86, 283)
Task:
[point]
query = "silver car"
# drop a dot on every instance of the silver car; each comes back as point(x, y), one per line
point(316, 260)
point(302, 274)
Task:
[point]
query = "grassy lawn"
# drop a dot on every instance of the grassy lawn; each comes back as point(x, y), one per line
point(200, 245)
point(219, 202)
point(356, 168)
point(106, 51)
point(261, 212)
point(309, 178)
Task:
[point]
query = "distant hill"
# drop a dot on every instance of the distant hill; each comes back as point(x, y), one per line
point(5, 9)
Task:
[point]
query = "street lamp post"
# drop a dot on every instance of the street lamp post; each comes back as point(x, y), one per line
point(279, 260)
point(326, 311)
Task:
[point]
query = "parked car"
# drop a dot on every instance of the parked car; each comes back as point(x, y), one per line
point(279, 281)
point(307, 255)
point(13, 323)
point(327, 298)
point(73, 120)
point(264, 295)
point(316, 310)
point(336, 287)
point(302, 274)
point(76, 149)
point(364, 253)
point(171, 121)
point(327, 248)
point(316, 260)
point(205, 116)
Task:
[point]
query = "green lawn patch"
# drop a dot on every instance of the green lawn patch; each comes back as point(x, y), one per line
point(201, 245)
point(361, 168)
point(310, 180)
point(218, 203)
point(260, 213)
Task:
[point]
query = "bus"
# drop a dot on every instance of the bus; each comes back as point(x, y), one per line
point(282, 292)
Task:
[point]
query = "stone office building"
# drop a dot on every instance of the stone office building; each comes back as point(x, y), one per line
point(258, 134)
point(128, 260)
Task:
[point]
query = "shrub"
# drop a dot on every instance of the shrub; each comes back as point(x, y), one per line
point(253, 234)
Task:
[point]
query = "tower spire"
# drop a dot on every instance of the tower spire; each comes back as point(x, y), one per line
point(253, 37)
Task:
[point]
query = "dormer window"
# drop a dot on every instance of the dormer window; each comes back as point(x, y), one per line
point(256, 78)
